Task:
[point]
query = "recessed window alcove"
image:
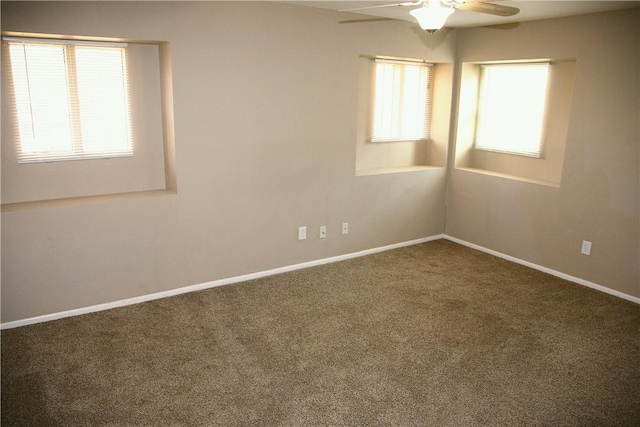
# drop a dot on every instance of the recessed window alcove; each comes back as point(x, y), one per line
point(545, 170)
point(374, 158)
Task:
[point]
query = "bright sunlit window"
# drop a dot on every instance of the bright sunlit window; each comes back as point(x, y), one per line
point(71, 99)
point(401, 101)
point(511, 107)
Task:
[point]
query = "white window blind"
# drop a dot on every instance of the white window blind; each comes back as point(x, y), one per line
point(511, 108)
point(71, 99)
point(401, 101)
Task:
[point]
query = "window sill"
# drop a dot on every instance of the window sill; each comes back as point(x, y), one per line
point(54, 203)
point(511, 177)
point(404, 169)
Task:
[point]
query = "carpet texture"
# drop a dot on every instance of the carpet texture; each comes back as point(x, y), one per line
point(434, 334)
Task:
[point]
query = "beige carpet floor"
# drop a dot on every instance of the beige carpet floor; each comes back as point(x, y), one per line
point(434, 334)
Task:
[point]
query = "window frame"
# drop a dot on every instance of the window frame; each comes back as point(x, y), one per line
point(77, 144)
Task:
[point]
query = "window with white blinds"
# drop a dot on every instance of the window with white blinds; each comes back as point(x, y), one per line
point(401, 101)
point(511, 108)
point(70, 99)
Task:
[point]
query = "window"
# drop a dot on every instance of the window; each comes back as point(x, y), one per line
point(511, 106)
point(71, 99)
point(401, 101)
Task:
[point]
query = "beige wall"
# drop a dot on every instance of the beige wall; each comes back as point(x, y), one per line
point(265, 104)
point(598, 197)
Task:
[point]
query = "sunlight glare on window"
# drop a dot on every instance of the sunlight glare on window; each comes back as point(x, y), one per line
point(401, 101)
point(415, 85)
point(41, 95)
point(511, 108)
point(103, 97)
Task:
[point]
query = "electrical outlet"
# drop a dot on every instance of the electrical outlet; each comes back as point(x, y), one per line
point(323, 231)
point(345, 228)
point(302, 233)
point(586, 247)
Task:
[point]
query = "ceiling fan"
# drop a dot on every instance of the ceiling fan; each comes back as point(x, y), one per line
point(432, 14)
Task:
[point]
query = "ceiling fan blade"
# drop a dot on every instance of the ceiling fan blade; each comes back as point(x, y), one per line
point(490, 8)
point(358, 21)
point(408, 3)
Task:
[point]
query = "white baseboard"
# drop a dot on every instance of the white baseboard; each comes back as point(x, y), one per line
point(546, 270)
point(257, 275)
point(208, 285)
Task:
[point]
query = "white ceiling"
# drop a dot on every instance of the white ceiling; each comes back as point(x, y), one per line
point(529, 10)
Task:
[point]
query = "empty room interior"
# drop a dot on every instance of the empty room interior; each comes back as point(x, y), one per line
point(260, 252)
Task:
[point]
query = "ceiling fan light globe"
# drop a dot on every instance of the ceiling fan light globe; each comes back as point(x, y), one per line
point(433, 16)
